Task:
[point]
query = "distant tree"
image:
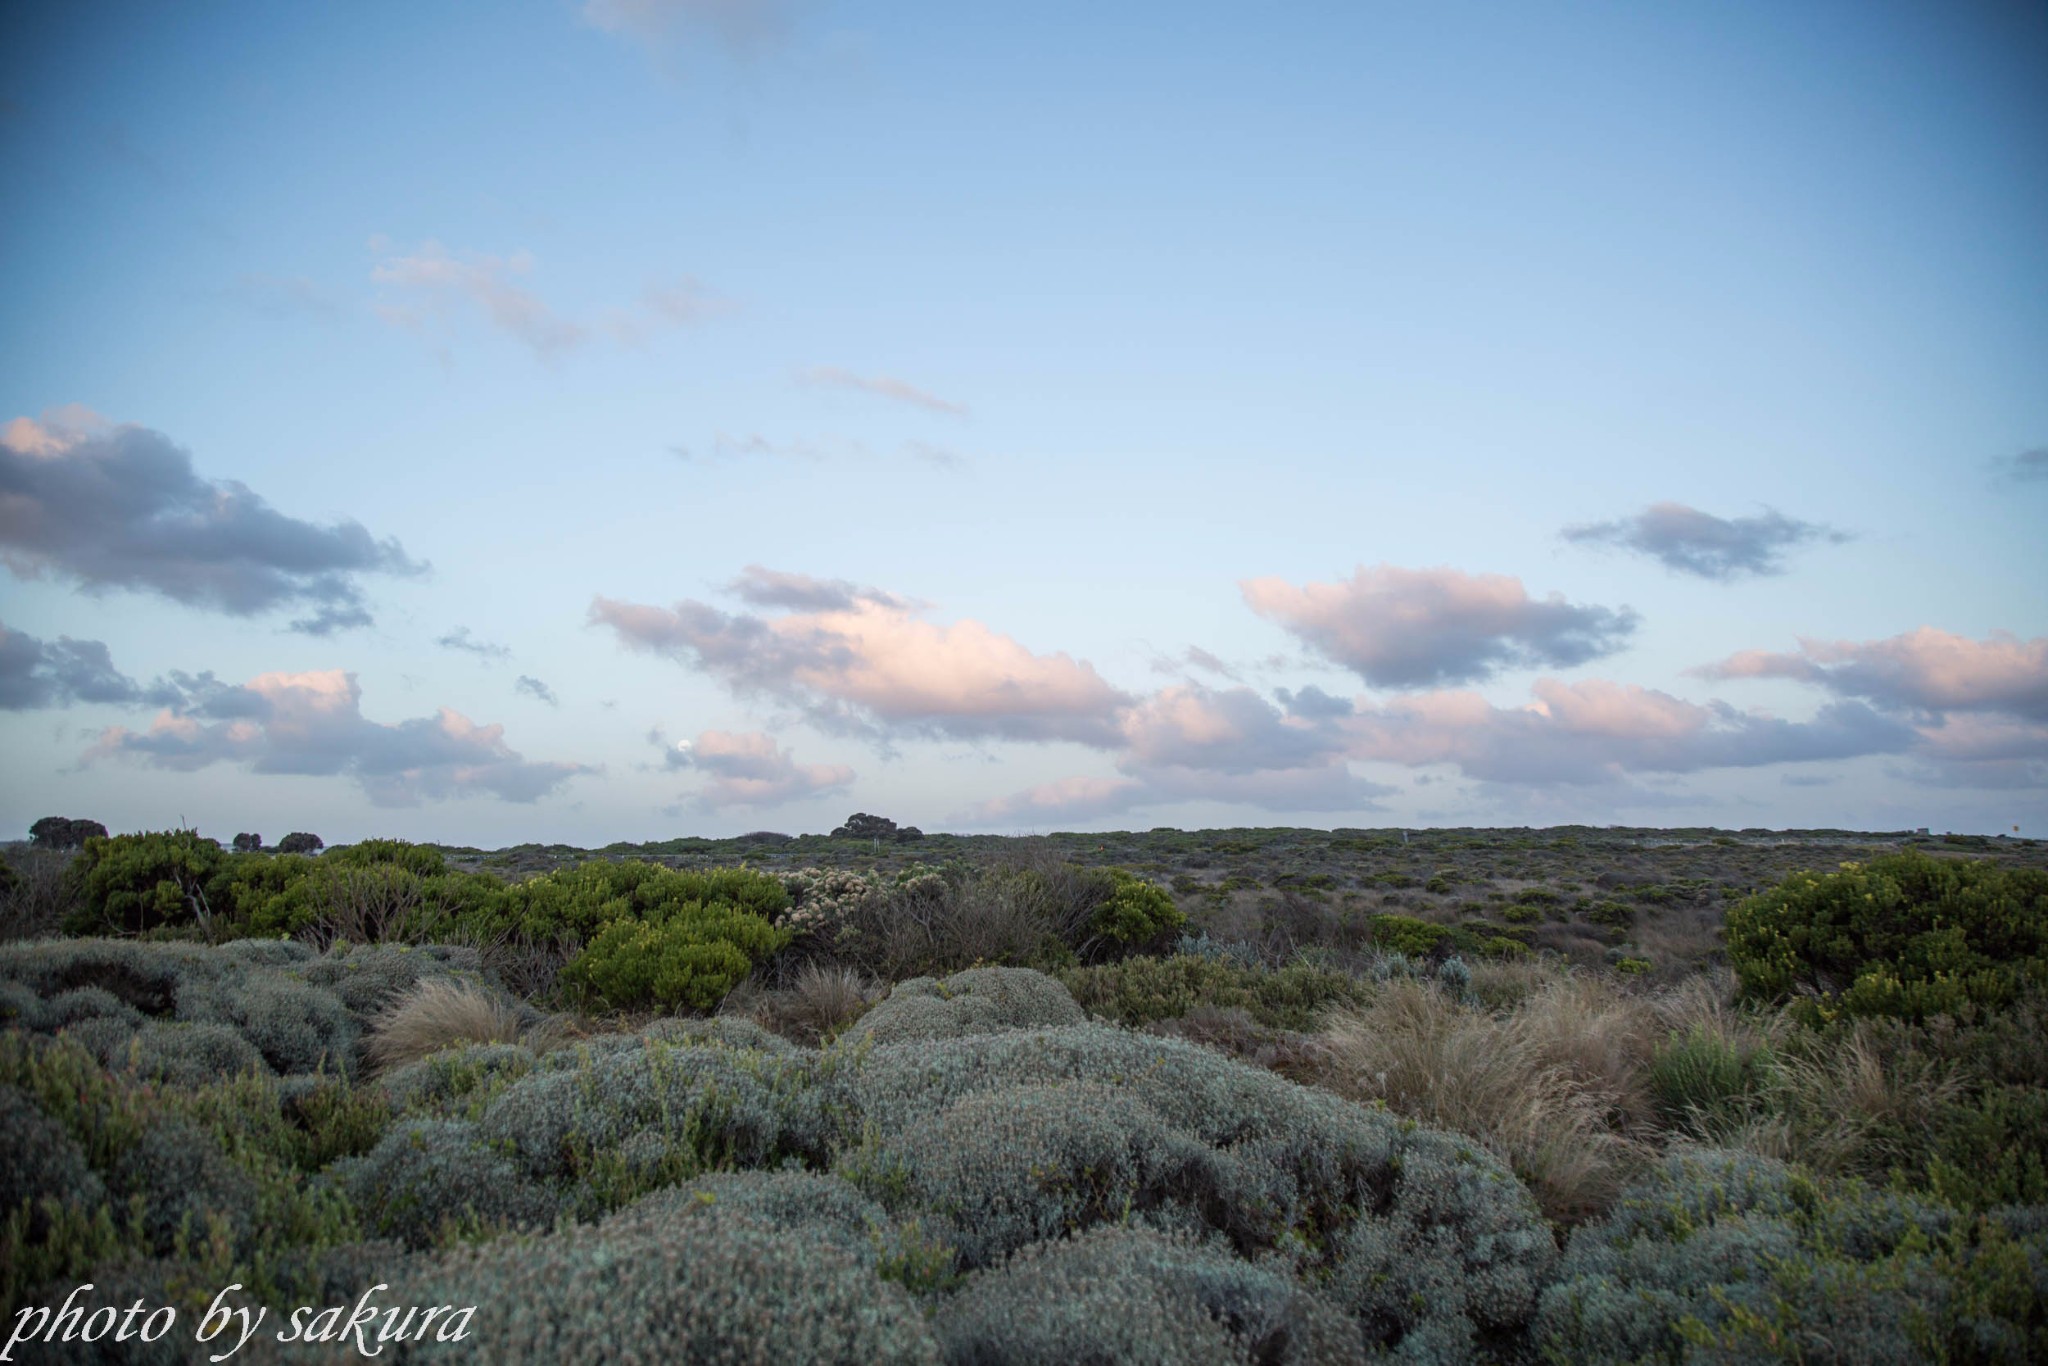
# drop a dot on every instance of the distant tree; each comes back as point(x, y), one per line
point(861, 826)
point(248, 844)
point(299, 842)
point(64, 832)
point(909, 833)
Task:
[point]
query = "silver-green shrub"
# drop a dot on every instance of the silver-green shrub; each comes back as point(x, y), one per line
point(429, 1179)
point(455, 1080)
point(733, 1031)
point(1726, 1256)
point(186, 1055)
point(667, 1112)
point(696, 1284)
point(1130, 1295)
point(813, 1205)
point(974, 1001)
point(369, 977)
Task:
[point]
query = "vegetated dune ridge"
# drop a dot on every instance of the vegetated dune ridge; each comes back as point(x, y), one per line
point(1246, 1095)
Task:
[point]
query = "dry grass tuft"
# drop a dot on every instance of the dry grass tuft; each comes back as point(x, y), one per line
point(1548, 1087)
point(817, 1006)
point(441, 1012)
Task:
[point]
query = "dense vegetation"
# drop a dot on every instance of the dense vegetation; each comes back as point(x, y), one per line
point(1277, 1096)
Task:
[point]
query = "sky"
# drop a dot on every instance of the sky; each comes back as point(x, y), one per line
point(585, 420)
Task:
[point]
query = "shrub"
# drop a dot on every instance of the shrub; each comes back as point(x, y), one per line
point(689, 960)
point(977, 1001)
point(624, 1120)
point(368, 978)
point(1006, 1168)
point(1136, 910)
point(1132, 1295)
point(1272, 1167)
point(438, 1013)
point(430, 1181)
point(131, 883)
point(1728, 1256)
point(301, 842)
point(1141, 990)
point(698, 1284)
point(1904, 935)
point(40, 1158)
point(817, 1005)
point(454, 1081)
point(187, 1185)
point(811, 1204)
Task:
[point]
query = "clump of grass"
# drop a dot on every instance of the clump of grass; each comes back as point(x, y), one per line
point(438, 1013)
point(1559, 1120)
point(816, 1006)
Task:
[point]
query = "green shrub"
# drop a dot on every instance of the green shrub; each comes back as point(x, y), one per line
point(131, 883)
point(1136, 910)
point(976, 1001)
point(1133, 1295)
point(815, 1205)
point(456, 1082)
point(1406, 934)
point(40, 1158)
point(689, 960)
point(188, 1186)
point(1903, 935)
point(1139, 991)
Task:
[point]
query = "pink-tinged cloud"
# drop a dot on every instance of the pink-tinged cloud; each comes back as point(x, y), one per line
point(832, 377)
point(1064, 799)
point(1927, 670)
point(1597, 731)
point(434, 279)
point(312, 724)
point(870, 664)
point(750, 769)
point(1231, 730)
point(1405, 628)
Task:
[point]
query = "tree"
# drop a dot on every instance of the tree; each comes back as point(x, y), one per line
point(299, 842)
point(248, 844)
point(64, 832)
point(861, 826)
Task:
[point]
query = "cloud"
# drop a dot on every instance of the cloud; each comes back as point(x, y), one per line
point(2028, 467)
point(763, 587)
point(312, 723)
point(286, 296)
point(460, 639)
point(745, 28)
point(1925, 670)
point(1597, 732)
point(1689, 541)
point(859, 661)
point(37, 674)
point(1065, 799)
point(432, 283)
point(750, 769)
point(1311, 703)
point(433, 279)
point(1194, 657)
point(937, 456)
point(121, 507)
point(831, 376)
point(1231, 730)
point(533, 687)
point(1404, 628)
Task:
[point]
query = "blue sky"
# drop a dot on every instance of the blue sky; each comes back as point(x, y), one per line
point(1024, 420)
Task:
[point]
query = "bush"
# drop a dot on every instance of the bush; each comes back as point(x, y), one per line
point(132, 883)
point(187, 1185)
point(1271, 1167)
point(1136, 911)
point(811, 1204)
point(689, 960)
point(689, 1282)
point(1138, 991)
point(1132, 1295)
point(977, 1001)
point(455, 1081)
point(1904, 935)
point(1727, 1256)
point(431, 1181)
point(300, 842)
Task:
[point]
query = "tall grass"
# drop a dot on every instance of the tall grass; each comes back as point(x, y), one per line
point(441, 1012)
